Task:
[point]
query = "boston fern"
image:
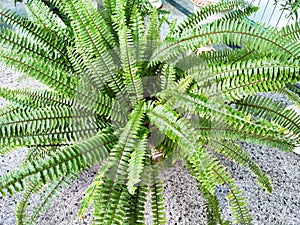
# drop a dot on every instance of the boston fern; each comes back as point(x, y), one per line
point(124, 96)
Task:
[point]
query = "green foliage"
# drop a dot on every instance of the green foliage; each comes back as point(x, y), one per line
point(121, 96)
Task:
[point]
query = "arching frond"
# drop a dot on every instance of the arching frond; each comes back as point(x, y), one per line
point(210, 173)
point(203, 13)
point(157, 200)
point(268, 109)
point(69, 160)
point(42, 15)
point(234, 32)
point(234, 152)
point(275, 135)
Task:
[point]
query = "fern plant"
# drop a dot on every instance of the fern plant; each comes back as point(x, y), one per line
point(122, 95)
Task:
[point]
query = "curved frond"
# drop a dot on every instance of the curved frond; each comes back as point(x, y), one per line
point(157, 199)
point(235, 7)
point(236, 154)
point(233, 32)
point(268, 109)
point(46, 126)
point(233, 120)
point(69, 160)
point(210, 173)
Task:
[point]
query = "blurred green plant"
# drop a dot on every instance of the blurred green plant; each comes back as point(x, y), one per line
point(291, 6)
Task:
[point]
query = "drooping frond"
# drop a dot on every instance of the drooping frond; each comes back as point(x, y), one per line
point(291, 95)
point(40, 70)
point(23, 203)
point(234, 152)
point(137, 201)
point(111, 196)
point(111, 202)
point(213, 212)
point(210, 173)
point(46, 126)
point(233, 120)
point(42, 15)
point(69, 160)
point(52, 191)
point(261, 107)
point(203, 13)
point(87, 200)
point(234, 32)
point(46, 40)
point(136, 210)
point(289, 32)
point(157, 199)
point(235, 81)
point(136, 164)
point(34, 98)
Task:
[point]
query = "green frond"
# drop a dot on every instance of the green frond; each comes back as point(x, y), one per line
point(152, 34)
point(35, 153)
point(289, 32)
point(209, 173)
point(228, 56)
point(136, 211)
point(91, 190)
point(157, 200)
point(94, 41)
point(10, 40)
point(168, 122)
point(42, 15)
point(235, 7)
point(34, 98)
point(137, 28)
point(113, 195)
point(235, 121)
point(68, 160)
point(120, 91)
point(107, 11)
point(202, 166)
point(233, 32)
point(238, 205)
point(48, 41)
point(130, 68)
point(235, 81)
point(136, 164)
point(291, 95)
point(22, 205)
point(268, 109)
point(213, 211)
point(167, 147)
point(111, 203)
point(183, 84)
point(52, 191)
point(40, 70)
point(46, 126)
point(234, 152)
point(120, 154)
point(168, 77)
